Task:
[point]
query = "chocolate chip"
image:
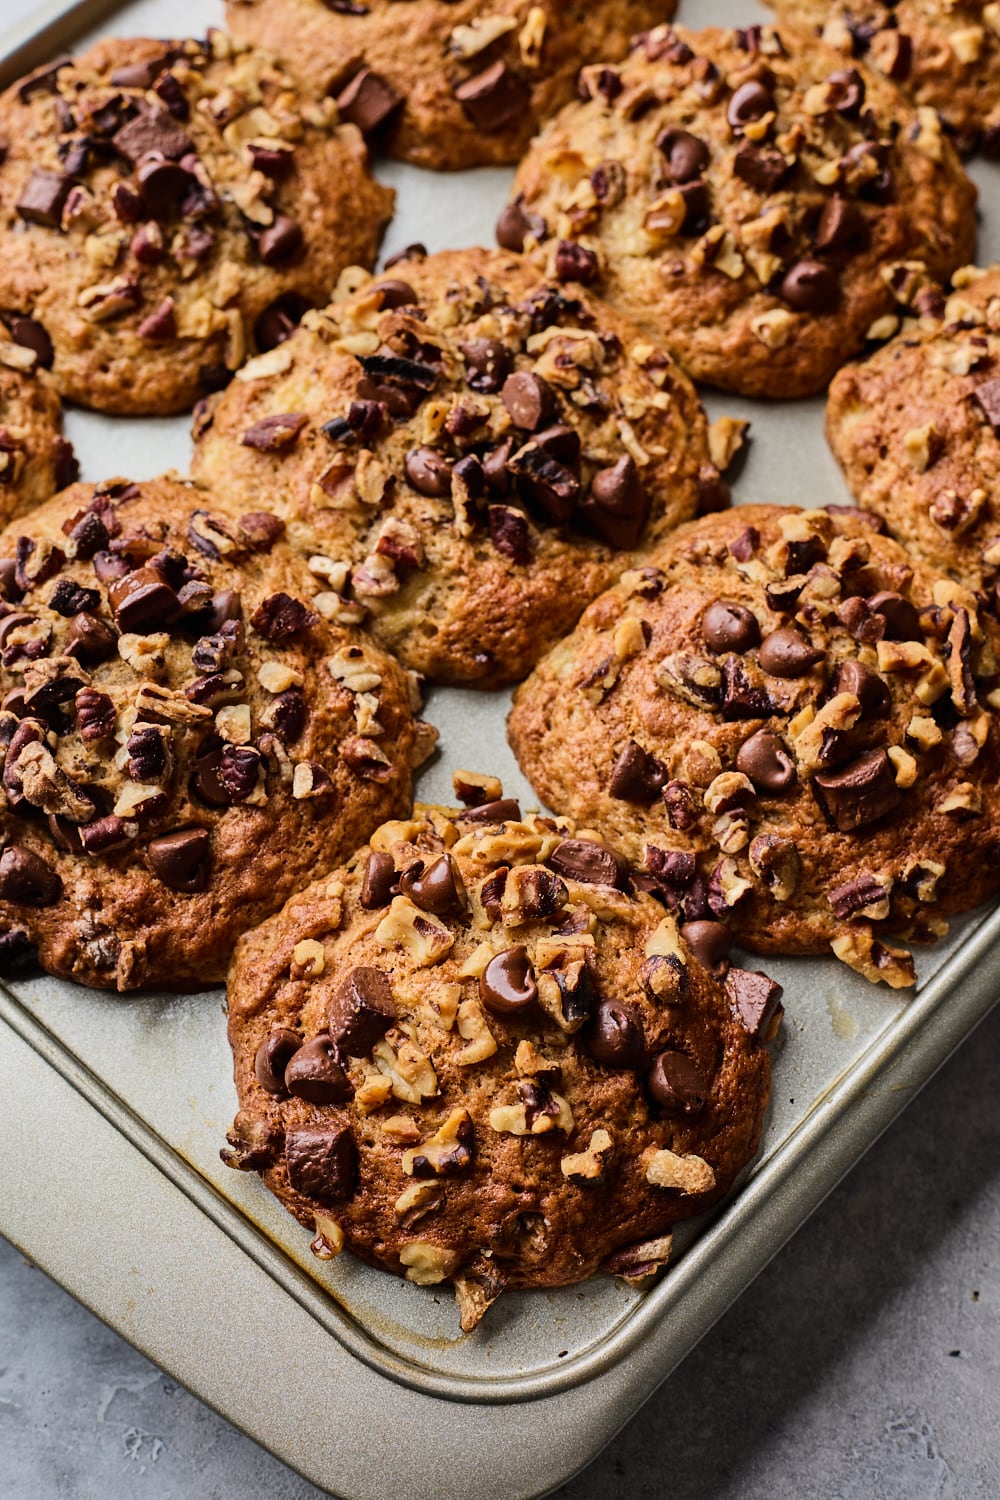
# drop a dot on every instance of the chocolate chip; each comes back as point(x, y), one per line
point(142, 602)
point(507, 984)
point(987, 398)
point(755, 1001)
point(17, 951)
point(436, 888)
point(741, 698)
point(560, 442)
point(860, 793)
point(280, 241)
point(322, 1162)
point(377, 888)
point(26, 880)
point(729, 627)
point(902, 622)
point(275, 162)
point(515, 224)
point(576, 263)
point(43, 197)
point(315, 1073)
point(764, 758)
point(368, 101)
point(842, 226)
point(43, 80)
point(529, 400)
point(636, 776)
point(509, 533)
point(809, 286)
point(589, 862)
point(615, 1035)
point(181, 858)
point(750, 102)
point(550, 484)
point(494, 98)
point(279, 617)
point(871, 690)
point(428, 472)
point(395, 293)
point(710, 943)
point(787, 653)
point(504, 810)
point(153, 131)
point(677, 1084)
point(278, 321)
point(846, 89)
point(30, 334)
point(360, 1011)
point(487, 364)
point(161, 183)
point(764, 170)
point(617, 505)
point(272, 1058)
point(686, 155)
point(678, 799)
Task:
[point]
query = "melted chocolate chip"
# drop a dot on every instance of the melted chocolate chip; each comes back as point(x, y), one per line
point(860, 793)
point(615, 1035)
point(504, 810)
point(710, 943)
point(509, 533)
point(322, 1162)
point(677, 1084)
point(871, 690)
point(142, 602)
point(764, 758)
point(842, 226)
point(576, 263)
point(809, 286)
point(636, 776)
point(902, 622)
point(515, 224)
point(507, 984)
point(494, 98)
point(368, 101)
point(488, 362)
point(30, 334)
point(428, 472)
point(26, 879)
point(436, 888)
point(272, 1058)
point(755, 1001)
point(617, 505)
point(787, 653)
point(280, 241)
point(181, 858)
point(764, 170)
point(529, 400)
point(589, 862)
point(314, 1073)
point(750, 102)
point(729, 627)
point(360, 1011)
point(379, 884)
point(686, 155)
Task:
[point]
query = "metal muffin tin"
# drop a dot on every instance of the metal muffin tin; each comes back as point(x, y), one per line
point(112, 1110)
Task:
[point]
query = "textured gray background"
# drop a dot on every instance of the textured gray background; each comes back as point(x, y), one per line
point(864, 1364)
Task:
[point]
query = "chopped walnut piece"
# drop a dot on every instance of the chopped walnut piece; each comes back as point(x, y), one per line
point(587, 1167)
point(873, 959)
point(448, 1150)
point(409, 1071)
point(421, 935)
point(308, 959)
point(330, 1238)
point(428, 1264)
point(688, 1174)
point(417, 1201)
point(473, 1029)
point(474, 1301)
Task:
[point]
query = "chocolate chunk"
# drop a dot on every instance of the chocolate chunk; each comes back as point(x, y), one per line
point(615, 1035)
point(159, 326)
point(379, 885)
point(617, 505)
point(280, 241)
point(279, 617)
point(764, 170)
point(30, 334)
point(516, 223)
point(172, 94)
point(401, 383)
point(428, 472)
point(509, 533)
point(636, 776)
point(787, 653)
point(854, 895)
point(846, 90)
point(710, 943)
point(504, 810)
point(43, 197)
point(322, 1162)
point(507, 984)
point(90, 640)
point(368, 101)
point(576, 263)
point(488, 362)
point(549, 483)
point(43, 80)
point(560, 442)
point(686, 155)
point(494, 98)
point(274, 434)
point(750, 102)
point(181, 858)
point(764, 758)
point(161, 183)
point(860, 793)
point(902, 622)
point(871, 690)
point(842, 226)
point(987, 398)
point(729, 627)
point(809, 286)
point(677, 1084)
point(142, 602)
point(275, 162)
point(315, 1073)
point(360, 1012)
point(590, 863)
point(529, 400)
point(26, 880)
point(755, 1001)
point(17, 951)
point(436, 888)
point(740, 698)
point(272, 1058)
point(153, 131)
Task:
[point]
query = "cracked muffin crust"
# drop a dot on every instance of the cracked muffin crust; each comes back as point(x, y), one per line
point(166, 209)
point(791, 725)
point(478, 1054)
point(444, 83)
point(183, 740)
point(916, 430)
point(751, 204)
point(35, 459)
point(944, 55)
point(466, 453)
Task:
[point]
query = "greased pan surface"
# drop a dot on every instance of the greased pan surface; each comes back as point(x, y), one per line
point(203, 1270)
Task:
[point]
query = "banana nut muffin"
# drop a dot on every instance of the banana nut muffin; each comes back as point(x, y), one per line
point(167, 208)
point(183, 739)
point(792, 725)
point(754, 205)
point(943, 54)
point(916, 430)
point(444, 83)
point(477, 1054)
point(466, 453)
point(35, 459)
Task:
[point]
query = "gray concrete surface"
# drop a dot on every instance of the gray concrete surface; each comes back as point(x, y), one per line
point(864, 1364)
